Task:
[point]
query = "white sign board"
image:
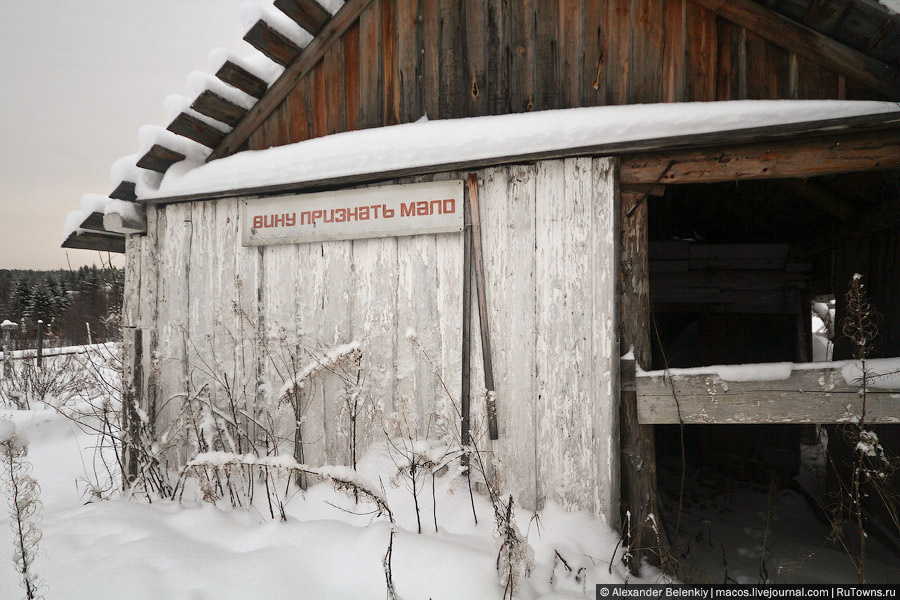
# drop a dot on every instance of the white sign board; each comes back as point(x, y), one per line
point(387, 211)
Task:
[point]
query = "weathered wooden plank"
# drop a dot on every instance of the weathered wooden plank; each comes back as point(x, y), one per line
point(275, 45)
point(638, 446)
point(729, 71)
point(409, 60)
point(783, 159)
point(242, 79)
point(811, 394)
point(297, 116)
point(508, 216)
point(810, 44)
point(564, 302)
point(454, 84)
point(474, 36)
point(646, 72)
point(619, 63)
point(498, 57)
point(131, 307)
point(308, 14)
point(148, 312)
point(319, 103)
point(333, 72)
point(174, 311)
point(351, 78)
point(674, 50)
point(812, 82)
point(335, 329)
point(604, 340)
point(370, 83)
point(547, 85)
point(159, 158)
point(125, 191)
point(570, 52)
point(373, 321)
point(430, 34)
point(195, 129)
point(306, 61)
point(700, 53)
point(93, 222)
point(594, 27)
point(389, 65)
point(521, 47)
point(216, 107)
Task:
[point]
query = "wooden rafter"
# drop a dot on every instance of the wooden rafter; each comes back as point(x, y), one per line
point(272, 43)
point(159, 158)
point(126, 190)
point(308, 14)
point(824, 198)
point(195, 129)
point(299, 67)
point(809, 44)
point(825, 16)
point(102, 242)
point(216, 107)
point(93, 221)
point(242, 79)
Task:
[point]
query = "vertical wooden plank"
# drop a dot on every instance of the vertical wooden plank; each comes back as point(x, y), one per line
point(201, 348)
point(700, 53)
point(638, 458)
point(508, 219)
point(334, 330)
point(618, 70)
point(729, 72)
point(390, 64)
point(373, 321)
point(768, 69)
point(547, 80)
point(646, 83)
point(309, 292)
point(498, 57)
point(333, 67)
point(449, 265)
point(174, 311)
point(298, 119)
point(812, 82)
point(409, 60)
point(474, 35)
point(370, 94)
point(594, 63)
point(604, 340)
point(350, 42)
point(431, 44)
point(569, 23)
point(454, 82)
point(148, 309)
point(521, 49)
point(674, 72)
point(564, 308)
point(319, 100)
point(131, 305)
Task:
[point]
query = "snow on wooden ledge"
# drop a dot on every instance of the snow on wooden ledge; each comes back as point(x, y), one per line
point(823, 392)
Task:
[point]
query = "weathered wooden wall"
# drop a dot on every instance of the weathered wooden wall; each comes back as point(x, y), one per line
point(404, 59)
point(208, 306)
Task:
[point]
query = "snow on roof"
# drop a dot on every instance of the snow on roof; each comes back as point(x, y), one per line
point(453, 141)
point(97, 203)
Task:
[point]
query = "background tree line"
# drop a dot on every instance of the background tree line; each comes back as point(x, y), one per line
point(68, 302)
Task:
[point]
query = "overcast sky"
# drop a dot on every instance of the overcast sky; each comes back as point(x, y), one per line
point(77, 80)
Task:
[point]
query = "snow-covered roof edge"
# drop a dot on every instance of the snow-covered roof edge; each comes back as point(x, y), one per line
point(450, 144)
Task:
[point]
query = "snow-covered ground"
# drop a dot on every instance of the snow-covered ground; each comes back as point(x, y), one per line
point(329, 547)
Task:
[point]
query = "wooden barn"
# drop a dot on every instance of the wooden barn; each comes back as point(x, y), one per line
point(646, 216)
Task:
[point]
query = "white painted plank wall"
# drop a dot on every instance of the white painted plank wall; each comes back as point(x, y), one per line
point(549, 242)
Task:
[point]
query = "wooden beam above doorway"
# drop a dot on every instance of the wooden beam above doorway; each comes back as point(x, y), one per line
point(840, 153)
